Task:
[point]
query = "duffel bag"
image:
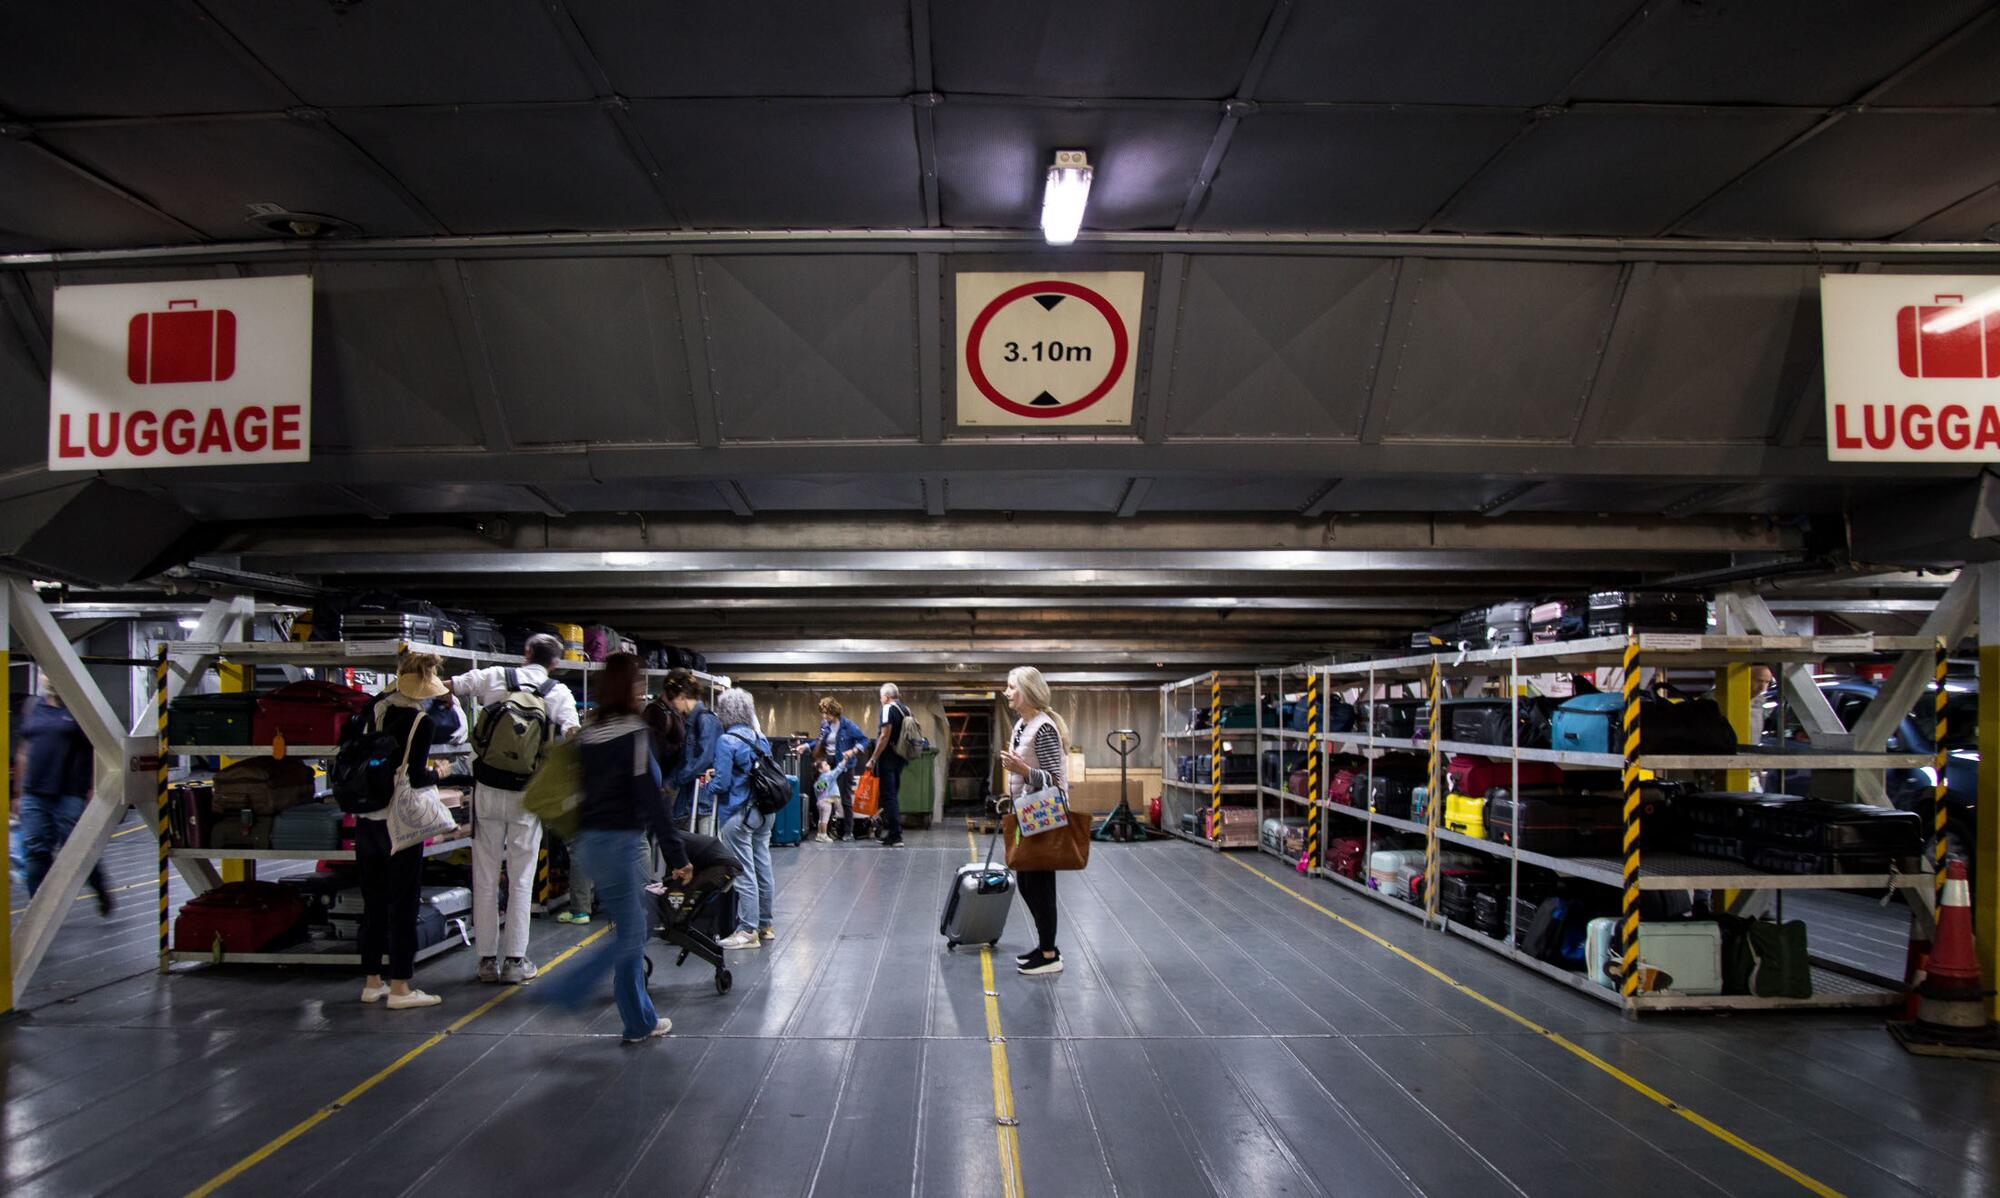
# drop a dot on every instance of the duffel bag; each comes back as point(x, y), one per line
point(264, 785)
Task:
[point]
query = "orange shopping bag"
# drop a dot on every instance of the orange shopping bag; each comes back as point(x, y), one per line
point(867, 795)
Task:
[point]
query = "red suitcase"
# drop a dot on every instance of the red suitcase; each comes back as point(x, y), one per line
point(1971, 350)
point(308, 713)
point(1476, 775)
point(240, 917)
point(184, 344)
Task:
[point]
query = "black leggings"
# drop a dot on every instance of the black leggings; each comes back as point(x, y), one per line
point(391, 888)
point(1038, 890)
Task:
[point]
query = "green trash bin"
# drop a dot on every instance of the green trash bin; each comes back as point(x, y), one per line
point(918, 797)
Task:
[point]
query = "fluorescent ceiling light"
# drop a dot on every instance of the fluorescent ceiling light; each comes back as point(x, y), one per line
point(1064, 195)
point(1956, 316)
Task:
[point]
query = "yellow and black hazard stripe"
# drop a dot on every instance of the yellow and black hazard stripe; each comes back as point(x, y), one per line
point(1214, 829)
point(1941, 844)
point(1628, 927)
point(165, 829)
point(542, 875)
point(1435, 802)
point(1313, 753)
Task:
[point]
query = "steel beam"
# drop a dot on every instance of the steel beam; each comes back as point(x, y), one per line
point(1953, 618)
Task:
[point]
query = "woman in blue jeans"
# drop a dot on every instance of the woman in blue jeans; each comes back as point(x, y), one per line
point(622, 799)
point(744, 830)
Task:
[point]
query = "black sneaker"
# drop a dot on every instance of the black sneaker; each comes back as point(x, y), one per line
point(893, 844)
point(1024, 958)
point(1040, 965)
point(104, 904)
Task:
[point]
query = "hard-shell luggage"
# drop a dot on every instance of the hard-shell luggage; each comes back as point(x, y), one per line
point(190, 816)
point(1612, 612)
point(1732, 813)
point(1237, 769)
point(1335, 715)
point(241, 829)
point(308, 826)
point(1839, 828)
point(240, 917)
point(389, 617)
point(571, 635)
point(789, 828)
point(1485, 721)
point(185, 343)
point(1507, 624)
point(1392, 794)
point(1562, 619)
point(1721, 846)
point(1394, 718)
point(1784, 859)
point(600, 641)
point(307, 713)
point(449, 900)
point(1275, 764)
point(264, 785)
point(212, 719)
point(1489, 914)
point(1459, 891)
point(1476, 775)
point(1386, 870)
point(1275, 833)
point(480, 634)
point(1184, 768)
point(1465, 814)
point(1689, 953)
point(1554, 822)
point(976, 902)
point(434, 927)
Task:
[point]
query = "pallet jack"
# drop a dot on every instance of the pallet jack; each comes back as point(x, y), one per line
point(1121, 825)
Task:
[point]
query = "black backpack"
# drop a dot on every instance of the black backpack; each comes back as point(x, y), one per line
point(770, 787)
point(365, 764)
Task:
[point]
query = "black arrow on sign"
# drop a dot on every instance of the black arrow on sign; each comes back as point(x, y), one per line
point(1048, 302)
point(1045, 400)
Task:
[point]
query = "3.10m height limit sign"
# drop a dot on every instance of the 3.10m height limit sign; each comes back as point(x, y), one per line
point(1047, 349)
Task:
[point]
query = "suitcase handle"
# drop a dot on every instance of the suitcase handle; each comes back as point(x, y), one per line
point(171, 304)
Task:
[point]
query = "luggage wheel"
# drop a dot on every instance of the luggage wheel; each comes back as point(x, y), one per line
point(681, 960)
point(648, 959)
point(723, 980)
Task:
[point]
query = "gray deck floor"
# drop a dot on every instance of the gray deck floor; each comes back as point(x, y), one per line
point(1212, 1034)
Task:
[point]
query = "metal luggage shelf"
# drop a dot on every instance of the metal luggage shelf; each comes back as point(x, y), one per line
point(435, 849)
point(312, 952)
point(1228, 788)
point(291, 750)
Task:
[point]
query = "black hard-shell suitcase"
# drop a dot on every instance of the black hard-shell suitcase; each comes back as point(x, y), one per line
point(1275, 764)
point(1554, 821)
point(1784, 859)
point(1489, 914)
point(1612, 612)
point(1237, 769)
point(1395, 718)
point(480, 634)
point(1815, 825)
point(1484, 721)
point(1730, 813)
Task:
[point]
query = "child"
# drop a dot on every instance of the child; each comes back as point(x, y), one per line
point(826, 794)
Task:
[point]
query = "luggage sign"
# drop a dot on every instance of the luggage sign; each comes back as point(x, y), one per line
point(1047, 350)
point(201, 372)
point(1912, 367)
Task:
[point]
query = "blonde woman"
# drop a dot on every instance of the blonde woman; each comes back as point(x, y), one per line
point(391, 881)
point(1039, 745)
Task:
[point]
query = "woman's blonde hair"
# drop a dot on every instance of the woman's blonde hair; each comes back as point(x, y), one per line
point(1035, 689)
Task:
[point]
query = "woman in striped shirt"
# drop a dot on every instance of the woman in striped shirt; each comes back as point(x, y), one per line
point(1039, 746)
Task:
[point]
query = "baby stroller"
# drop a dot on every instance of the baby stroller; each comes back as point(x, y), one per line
point(689, 915)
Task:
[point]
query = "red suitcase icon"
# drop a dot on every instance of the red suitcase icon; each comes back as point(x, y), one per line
point(181, 345)
point(1969, 351)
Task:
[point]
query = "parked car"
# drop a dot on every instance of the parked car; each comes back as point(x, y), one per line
point(1909, 789)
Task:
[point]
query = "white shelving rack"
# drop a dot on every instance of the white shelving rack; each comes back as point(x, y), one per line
point(1832, 986)
point(1179, 704)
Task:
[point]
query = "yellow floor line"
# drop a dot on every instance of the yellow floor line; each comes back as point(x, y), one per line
point(91, 894)
point(1006, 1135)
point(1719, 1132)
point(321, 1115)
point(130, 830)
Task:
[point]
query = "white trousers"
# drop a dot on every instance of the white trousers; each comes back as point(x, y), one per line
point(502, 827)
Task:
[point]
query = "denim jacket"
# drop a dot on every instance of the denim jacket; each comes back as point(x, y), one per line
point(733, 761)
point(850, 736)
point(698, 754)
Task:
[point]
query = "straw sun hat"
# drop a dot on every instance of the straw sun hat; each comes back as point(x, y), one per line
point(417, 676)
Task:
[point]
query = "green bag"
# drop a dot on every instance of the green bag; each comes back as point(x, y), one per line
point(1766, 959)
point(555, 794)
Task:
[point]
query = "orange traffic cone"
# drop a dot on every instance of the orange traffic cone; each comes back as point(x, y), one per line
point(1951, 996)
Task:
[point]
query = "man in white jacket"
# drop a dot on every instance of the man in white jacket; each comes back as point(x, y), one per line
point(501, 826)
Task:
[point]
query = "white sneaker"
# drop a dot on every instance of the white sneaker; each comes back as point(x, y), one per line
point(415, 998)
point(664, 1026)
point(741, 939)
point(823, 838)
point(375, 995)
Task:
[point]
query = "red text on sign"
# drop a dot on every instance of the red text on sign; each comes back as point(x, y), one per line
point(179, 432)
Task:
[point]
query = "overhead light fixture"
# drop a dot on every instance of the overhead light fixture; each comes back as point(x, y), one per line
point(1064, 195)
point(189, 623)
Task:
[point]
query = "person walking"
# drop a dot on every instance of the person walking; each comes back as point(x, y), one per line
point(1039, 745)
point(622, 800)
point(52, 784)
point(887, 767)
point(522, 712)
point(840, 742)
point(391, 881)
point(744, 829)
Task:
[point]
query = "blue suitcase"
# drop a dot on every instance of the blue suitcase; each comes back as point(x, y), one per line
point(1588, 724)
point(790, 828)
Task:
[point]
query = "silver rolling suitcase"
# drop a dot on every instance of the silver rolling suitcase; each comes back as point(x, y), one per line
point(975, 908)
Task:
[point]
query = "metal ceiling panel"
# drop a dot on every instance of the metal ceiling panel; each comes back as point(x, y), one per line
point(755, 164)
point(1376, 494)
point(218, 502)
point(45, 205)
point(24, 399)
point(1829, 53)
point(1645, 167)
point(1500, 351)
point(1026, 492)
point(1713, 353)
point(388, 369)
point(425, 497)
point(1870, 174)
point(834, 493)
point(116, 58)
point(1961, 75)
point(1195, 49)
point(992, 160)
point(1389, 50)
point(1271, 347)
point(772, 48)
point(583, 350)
point(513, 170)
point(636, 495)
point(1974, 218)
point(1348, 169)
point(208, 173)
point(821, 347)
point(1247, 493)
point(437, 52)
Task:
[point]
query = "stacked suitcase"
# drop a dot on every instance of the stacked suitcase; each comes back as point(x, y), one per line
point(313, 827)
point(1787, 835)
point(1612, 612)
point(383, 618)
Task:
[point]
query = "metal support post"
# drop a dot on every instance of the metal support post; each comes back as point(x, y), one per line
point(1313, 848)
point(1433, 803)
point(6, 833)
point(160, 781)
point(1940, 847)
point(1986, 801)
point(1214, 830)
point(1628, 928)
point(1951, 619)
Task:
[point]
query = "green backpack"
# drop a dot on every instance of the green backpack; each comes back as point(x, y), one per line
point(513, 735)
point(555, 794)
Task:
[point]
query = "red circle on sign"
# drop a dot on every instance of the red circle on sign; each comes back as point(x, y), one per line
point(1120, 346)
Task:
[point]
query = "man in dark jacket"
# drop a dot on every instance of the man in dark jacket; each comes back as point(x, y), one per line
point(52, 782)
